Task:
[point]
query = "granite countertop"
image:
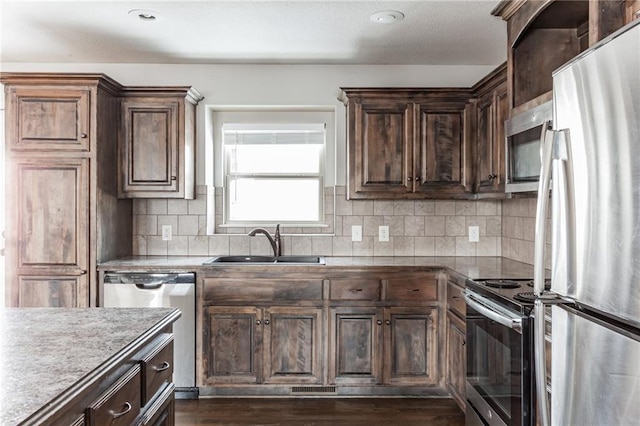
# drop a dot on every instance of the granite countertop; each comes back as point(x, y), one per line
point(47, 353)
point(470, 267)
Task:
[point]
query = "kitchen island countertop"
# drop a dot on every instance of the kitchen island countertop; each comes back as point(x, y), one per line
point(470, 267)
point(50, 355)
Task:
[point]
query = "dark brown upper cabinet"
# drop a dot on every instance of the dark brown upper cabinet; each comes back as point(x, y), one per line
point(157, 142)
point(407, 143)
point(491, 111)
point(544, 35)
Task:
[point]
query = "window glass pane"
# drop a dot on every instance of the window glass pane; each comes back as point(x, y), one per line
point(274, 159)
point(274, 200)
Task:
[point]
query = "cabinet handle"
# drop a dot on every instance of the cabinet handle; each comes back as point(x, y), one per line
point(455, 297)
point(387, 322)
point(417, 179)
point(492, 176)
point(409, 179)
point(413, 290)
point(83, 135)
point(464, 342)
point(83, 272)
point(258, 322)
point(379, 322)
point(173, 178)
point(165, 366)
point(127, 408)
point(355, 290)
point(266, 322)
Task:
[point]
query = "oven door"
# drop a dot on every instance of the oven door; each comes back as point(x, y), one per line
point(498, 362)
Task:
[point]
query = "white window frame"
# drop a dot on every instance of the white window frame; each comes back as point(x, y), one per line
point(234, 132)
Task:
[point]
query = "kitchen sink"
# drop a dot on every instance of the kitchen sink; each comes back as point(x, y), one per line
point(266, 260)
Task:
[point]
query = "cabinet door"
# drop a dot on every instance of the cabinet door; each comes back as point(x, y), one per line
point(632, 10)
point(440, 149)
point(48, 119)
point(47, 229)
point(293, 345)
point(149, 147)
point(355, 346)
point(412, 346)
point(380, 139)
point(491, 113)
point(456, 358)
point(232, 344)
point(56, 292)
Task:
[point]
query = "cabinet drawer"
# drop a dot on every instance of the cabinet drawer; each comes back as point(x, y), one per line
point(120, 403)
point(261, 290)
point(455, 301)
point(355, 290)
point(157, 368)
point(413, 289)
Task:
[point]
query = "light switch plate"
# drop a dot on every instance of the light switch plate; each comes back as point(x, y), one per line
point(474, 234)
point(383, 233)
point(356, 233)
point(166, 233)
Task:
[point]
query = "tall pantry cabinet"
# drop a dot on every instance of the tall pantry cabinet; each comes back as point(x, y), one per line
point(62, 211)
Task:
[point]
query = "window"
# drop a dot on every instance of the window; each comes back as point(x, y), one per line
point(273, 173)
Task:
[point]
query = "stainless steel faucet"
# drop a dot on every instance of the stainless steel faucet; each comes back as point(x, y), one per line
point(275, 241)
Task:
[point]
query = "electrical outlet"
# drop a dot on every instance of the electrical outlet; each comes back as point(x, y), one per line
point(383, 233)
point(474, 234)
point(356, 233)
point(166, 233)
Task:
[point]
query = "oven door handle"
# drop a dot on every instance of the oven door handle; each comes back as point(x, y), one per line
point(493, 311)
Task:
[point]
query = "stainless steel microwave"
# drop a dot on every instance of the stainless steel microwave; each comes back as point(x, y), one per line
point(523, 133)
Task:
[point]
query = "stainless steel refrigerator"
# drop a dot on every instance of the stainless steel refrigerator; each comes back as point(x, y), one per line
point(591, 164)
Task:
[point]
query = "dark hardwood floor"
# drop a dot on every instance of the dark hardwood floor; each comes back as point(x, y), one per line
point(319, 412)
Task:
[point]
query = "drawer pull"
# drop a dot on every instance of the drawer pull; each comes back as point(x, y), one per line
point(165, 366)
point(413, 290)
point(355, 290)
point(127, 408)
point(455, 297)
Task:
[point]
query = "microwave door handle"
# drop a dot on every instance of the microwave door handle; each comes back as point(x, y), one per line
point(512, 323)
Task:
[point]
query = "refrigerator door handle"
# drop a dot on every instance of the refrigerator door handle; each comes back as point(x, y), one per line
point(546, 156)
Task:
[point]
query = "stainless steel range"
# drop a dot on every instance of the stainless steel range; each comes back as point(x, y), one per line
point(500, 353)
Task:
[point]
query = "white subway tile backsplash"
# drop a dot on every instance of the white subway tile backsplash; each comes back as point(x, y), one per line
point(425, 246)
point(455, 226)
point(155, 206)
point(177, 207)
point(435, 226)
point(416, 228)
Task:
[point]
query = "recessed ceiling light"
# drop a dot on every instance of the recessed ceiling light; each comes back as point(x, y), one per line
point(146, 15)
point(387, 17)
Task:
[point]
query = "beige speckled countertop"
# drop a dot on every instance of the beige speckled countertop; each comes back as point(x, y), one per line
point(470, 267)
point(49, 354)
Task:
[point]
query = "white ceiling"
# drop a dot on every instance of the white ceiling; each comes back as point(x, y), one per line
point(449, 32)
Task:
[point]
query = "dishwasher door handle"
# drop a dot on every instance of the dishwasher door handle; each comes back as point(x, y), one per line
point(149, 286)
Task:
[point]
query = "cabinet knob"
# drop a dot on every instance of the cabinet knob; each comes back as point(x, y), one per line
point(258, 322)
point(266, 322)
point(83, 272)
point(379, 322)
point(409, 179)
point(417, 179)
point(492, 176)
point(83, 135)
point(173, 178)
point(387, 322)
point(464, 342)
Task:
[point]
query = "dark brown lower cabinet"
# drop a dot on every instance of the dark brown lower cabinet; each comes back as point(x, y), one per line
point(456, 358)
point(396, 346)
point(271, 345)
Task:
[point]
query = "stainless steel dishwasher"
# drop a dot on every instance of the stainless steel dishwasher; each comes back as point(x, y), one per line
point(150, 290)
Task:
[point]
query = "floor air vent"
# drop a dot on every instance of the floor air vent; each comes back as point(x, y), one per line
point(313, 390)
